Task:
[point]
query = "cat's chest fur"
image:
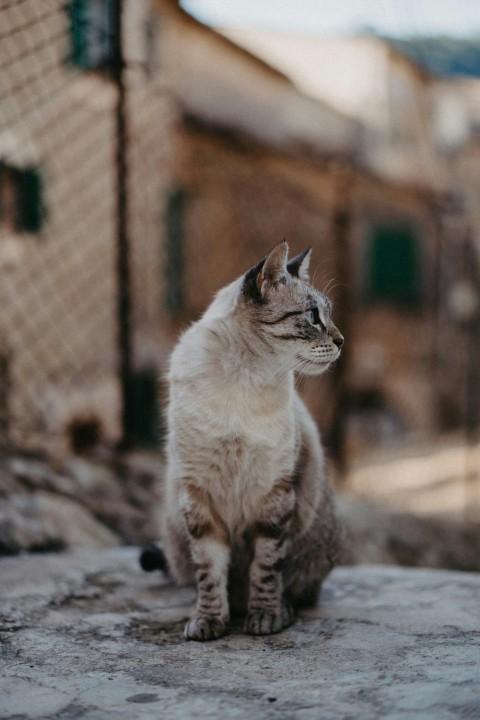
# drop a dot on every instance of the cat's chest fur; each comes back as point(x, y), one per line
point(230, 435)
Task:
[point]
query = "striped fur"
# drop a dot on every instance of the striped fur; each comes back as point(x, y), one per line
point(248, 514)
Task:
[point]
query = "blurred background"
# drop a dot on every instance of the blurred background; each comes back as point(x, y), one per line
point(150, 152)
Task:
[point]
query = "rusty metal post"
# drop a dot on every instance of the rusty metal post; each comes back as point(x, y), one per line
point(124, 306)
point(342, 221)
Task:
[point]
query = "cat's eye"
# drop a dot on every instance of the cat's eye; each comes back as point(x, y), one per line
point(313, 316)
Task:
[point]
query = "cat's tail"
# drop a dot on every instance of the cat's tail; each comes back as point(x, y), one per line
point(152, 558)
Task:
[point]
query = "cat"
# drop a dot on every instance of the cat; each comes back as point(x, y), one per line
point(248, 511)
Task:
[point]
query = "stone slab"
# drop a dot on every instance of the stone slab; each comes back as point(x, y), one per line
point(88, 635)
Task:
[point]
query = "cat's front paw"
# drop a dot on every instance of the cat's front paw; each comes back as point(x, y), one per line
point(264, 622)
point(203, 627)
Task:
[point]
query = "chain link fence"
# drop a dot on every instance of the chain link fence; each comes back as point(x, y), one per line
point(124, 205)
point(105, 250)
point(81, 171)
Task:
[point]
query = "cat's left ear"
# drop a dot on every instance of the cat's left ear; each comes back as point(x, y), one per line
point(274, 270)
point(299, 265)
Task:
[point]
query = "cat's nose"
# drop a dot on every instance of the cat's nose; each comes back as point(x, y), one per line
point(338, 340)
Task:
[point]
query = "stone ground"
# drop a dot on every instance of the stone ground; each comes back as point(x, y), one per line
point(88, 635)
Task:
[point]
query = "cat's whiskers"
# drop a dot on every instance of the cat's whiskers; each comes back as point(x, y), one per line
point(317, 268)
point(300, 371)
point(290, 365)
point(332, 283)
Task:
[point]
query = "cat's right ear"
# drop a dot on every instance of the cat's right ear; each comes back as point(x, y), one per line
point(270, 271)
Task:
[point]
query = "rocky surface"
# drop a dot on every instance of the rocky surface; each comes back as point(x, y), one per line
point(52, 504)
point(88, 635)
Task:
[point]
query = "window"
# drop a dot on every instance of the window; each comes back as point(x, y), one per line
point(91, 33)
point(174, 299)
point(393, 268)
point(21, 203)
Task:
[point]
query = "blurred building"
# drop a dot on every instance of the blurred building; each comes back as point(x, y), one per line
point(413, 230)
point(224, 143)
point(60, 354)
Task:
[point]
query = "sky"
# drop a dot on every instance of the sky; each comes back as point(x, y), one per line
point(458, 18)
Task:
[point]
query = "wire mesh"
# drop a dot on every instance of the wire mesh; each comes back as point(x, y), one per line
point(59, 354)
point(200, 203)
point(61, 283)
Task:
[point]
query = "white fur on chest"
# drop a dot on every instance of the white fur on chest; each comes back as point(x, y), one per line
point(234, 448)
point(229, 432)
point(235, 444)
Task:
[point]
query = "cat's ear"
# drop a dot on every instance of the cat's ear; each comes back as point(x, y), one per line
point(271, 270)
point(299, 265)
point(274, 269)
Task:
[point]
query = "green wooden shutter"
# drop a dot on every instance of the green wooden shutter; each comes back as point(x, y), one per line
point(148, 429)
point(78, 38)
point(30, 207)
point(90, 24)
point(393, 272)
point(174, 296)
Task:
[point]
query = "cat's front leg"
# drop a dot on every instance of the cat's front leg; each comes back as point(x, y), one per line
point(210, 551)
point(267, 612)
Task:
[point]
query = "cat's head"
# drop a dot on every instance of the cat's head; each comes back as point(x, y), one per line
point(291, 316)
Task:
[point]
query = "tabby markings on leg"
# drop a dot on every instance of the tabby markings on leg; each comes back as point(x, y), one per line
point(211, 556)
point(267, 612)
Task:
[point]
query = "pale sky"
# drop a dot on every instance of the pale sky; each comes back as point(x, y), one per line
point(332, 17)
